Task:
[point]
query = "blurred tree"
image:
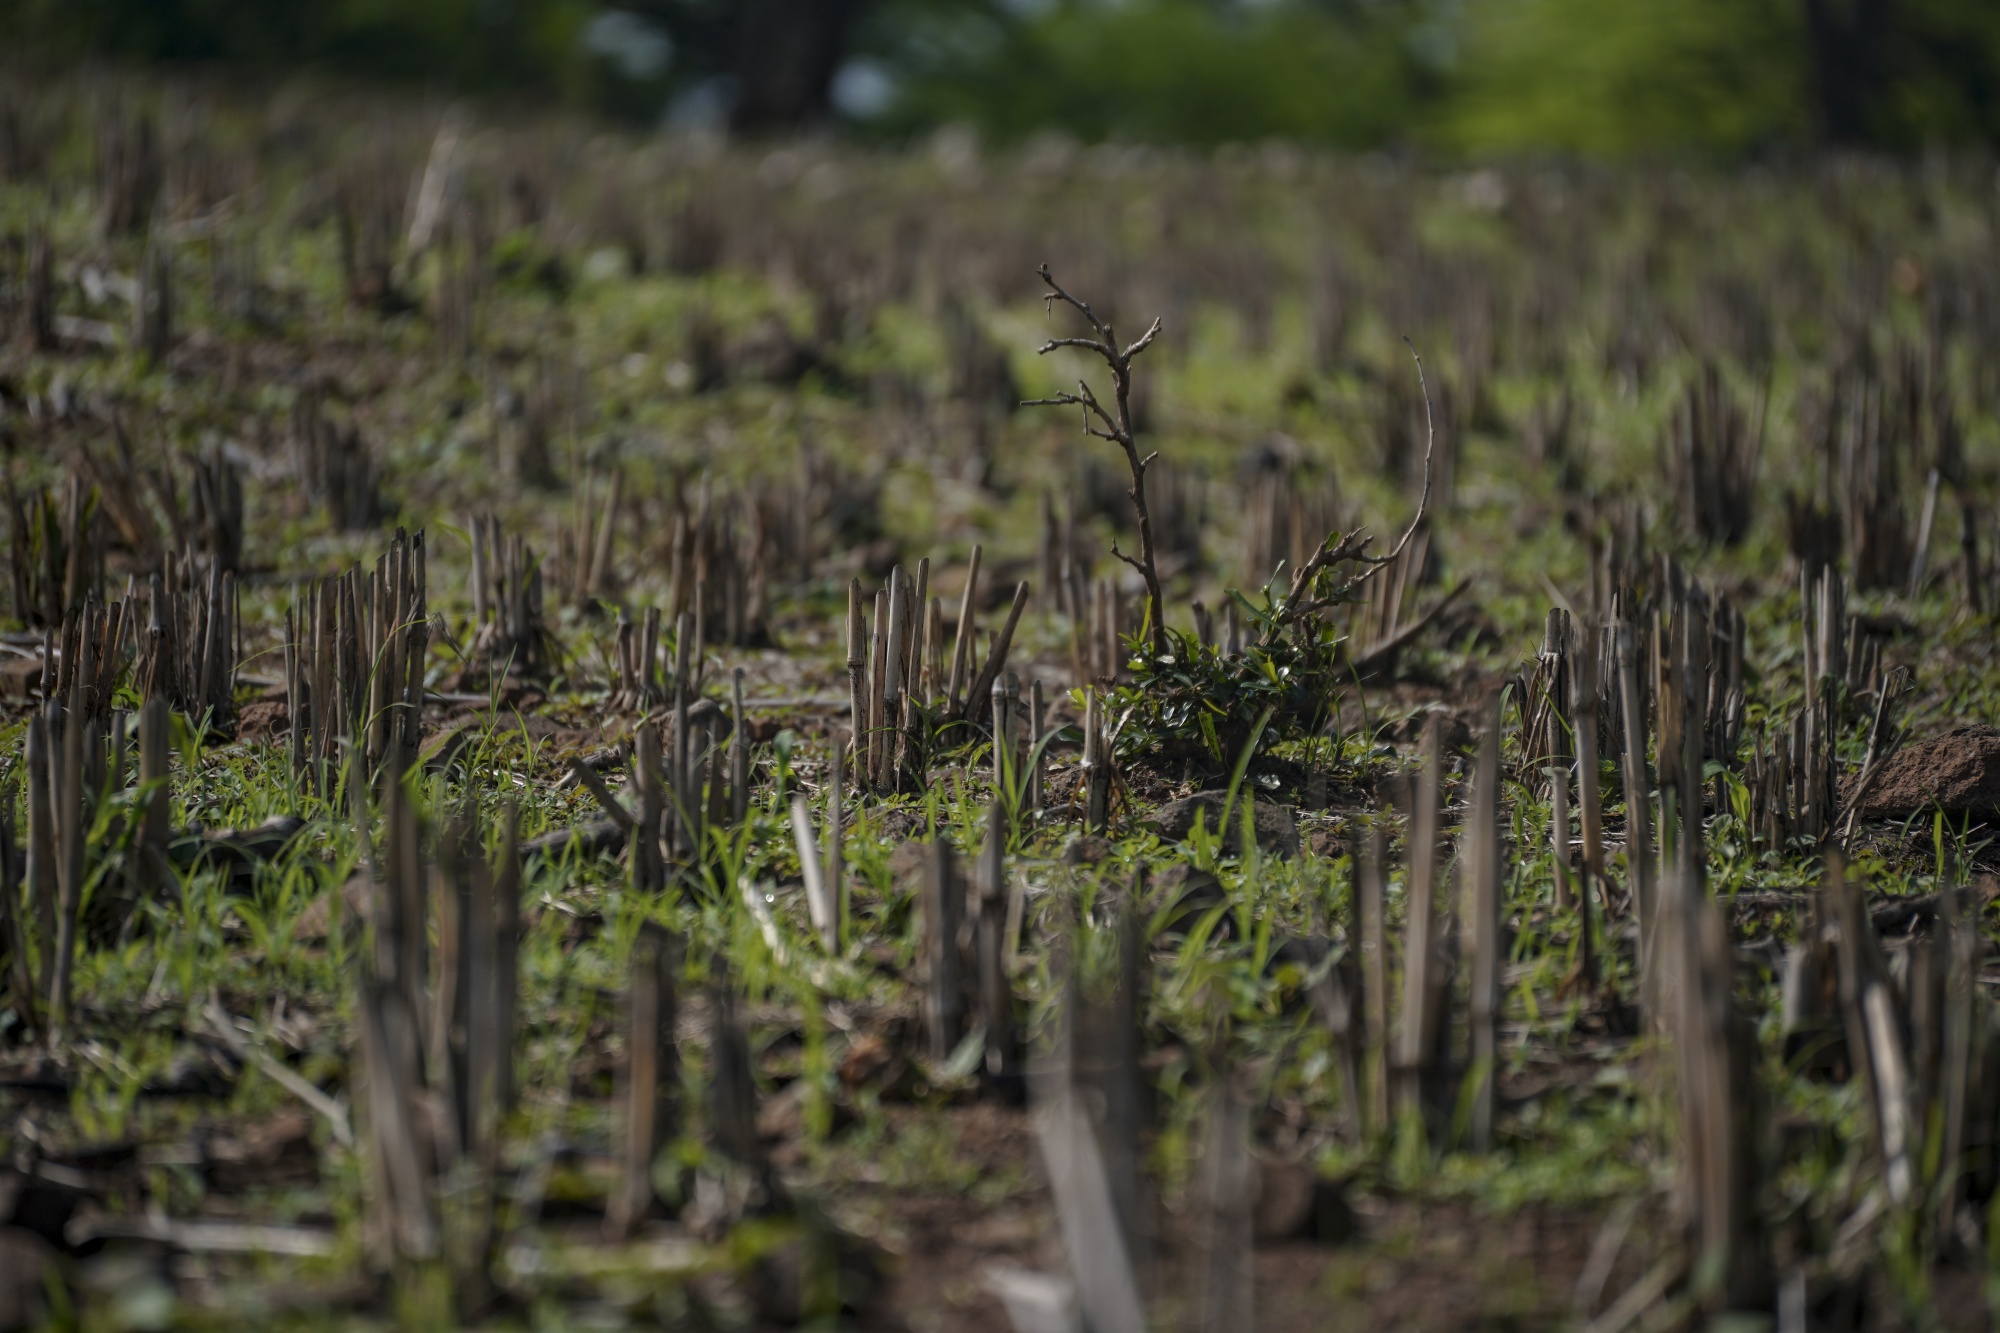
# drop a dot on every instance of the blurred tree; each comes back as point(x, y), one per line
point(786, 54)
point(769, 64)
point(1638, 76)
point(1193, 71)
point(1849, 42)
point(1721, 77)
point(468, 45)
point(1943, 81)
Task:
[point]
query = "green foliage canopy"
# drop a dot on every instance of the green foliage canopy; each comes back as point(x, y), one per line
point(1180, 71)
point(1712, 77)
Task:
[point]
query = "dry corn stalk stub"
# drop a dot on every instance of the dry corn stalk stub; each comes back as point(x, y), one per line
point(153, 311)
point(73, 766)
point(992, 948)
point(1371, 930)
point(1417, 1071)
point(1287, 509)
point(1710, 454)
point(435, 1029)
point(84, 664)
point(120, 488)
point(1586, 703)
point(732, 1087)
point(511, 636)
point(1089, 1107)
point(129, 172)
point(18, 925)
point(1715, 1059)
point(1866, 431)
point(943, 907)
point(650, 1079)
point(821, 904)
point(1919, 1043)
point(1964, 1060)
point(1225, 1188)
point(215, 508)
point(336, 468)
point(586, 547)
point(639, 684)
point(57, 546)
point(694, 784)
point(154, 515)
point(355, 649)
point(191, 646)
point(1336, 1000)
point(55, 857)
point(1483, 926)
point(978, 696)
point(1552, 687)
point(900, 700)
point(720, 561)
point(38, 315)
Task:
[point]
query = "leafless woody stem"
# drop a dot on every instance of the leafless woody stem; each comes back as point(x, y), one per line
point(1340, 547)
point(1114, 424)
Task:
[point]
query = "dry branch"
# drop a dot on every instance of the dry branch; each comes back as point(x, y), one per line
point(1115, 425)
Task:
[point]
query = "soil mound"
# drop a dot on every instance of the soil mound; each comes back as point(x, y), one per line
point(1276, 828)
point(1958, 771)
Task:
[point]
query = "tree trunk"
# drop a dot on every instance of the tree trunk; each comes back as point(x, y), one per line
point(1848, 41)
point(786, 55)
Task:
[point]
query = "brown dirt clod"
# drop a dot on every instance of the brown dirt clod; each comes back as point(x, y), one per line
point(1958, 772)
point(1277, 829)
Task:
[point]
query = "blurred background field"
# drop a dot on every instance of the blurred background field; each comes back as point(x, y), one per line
point(1715, 78)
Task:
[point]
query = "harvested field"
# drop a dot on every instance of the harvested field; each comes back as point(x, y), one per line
point(611, 732)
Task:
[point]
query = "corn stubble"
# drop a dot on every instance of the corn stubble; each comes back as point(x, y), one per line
point(628, 959)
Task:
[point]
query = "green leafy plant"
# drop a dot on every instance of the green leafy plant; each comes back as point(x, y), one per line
point(1190, 700)
point(1199, 703)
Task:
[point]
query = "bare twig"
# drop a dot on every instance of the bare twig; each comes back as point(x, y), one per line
point(1113, 424)
point(1380, 655)
point(225, 1029)
point(1343, 547)
point(586, 776)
